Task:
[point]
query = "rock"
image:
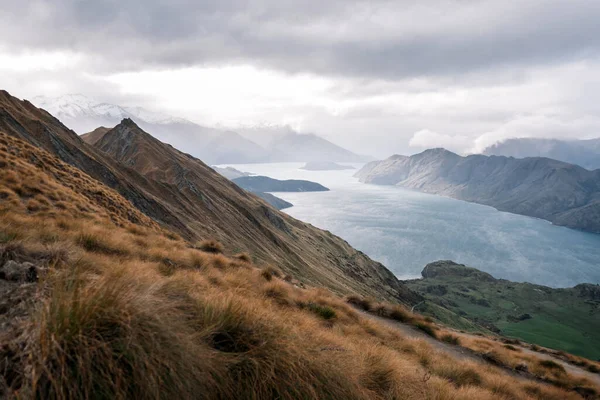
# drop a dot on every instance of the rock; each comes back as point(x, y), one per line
point(19, 272)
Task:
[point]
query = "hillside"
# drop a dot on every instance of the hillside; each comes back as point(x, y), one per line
point(585, 153)
point(98, 301)
point(563, 319)
point(185, 195)
point(266, 184)
point(562, 193)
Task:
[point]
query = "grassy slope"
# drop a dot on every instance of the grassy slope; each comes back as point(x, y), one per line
point(127, 310)
point(561, 318)
point(186, 196)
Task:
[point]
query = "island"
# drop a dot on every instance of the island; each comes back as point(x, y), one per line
point(266, 184)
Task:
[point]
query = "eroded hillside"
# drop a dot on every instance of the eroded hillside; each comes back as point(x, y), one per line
point(98, 301)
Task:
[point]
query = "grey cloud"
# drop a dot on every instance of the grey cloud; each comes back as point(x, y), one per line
point(384, 39)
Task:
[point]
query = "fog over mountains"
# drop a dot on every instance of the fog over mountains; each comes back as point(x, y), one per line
point(585, 153)
point(212, 145)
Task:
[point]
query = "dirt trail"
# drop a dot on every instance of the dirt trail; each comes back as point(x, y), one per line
point(462, 353)
point(570, 368)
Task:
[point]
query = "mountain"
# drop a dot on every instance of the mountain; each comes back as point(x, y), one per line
point(185, 195)
point(98, 301)
point(230, 172)
point(214, 146)
point(274, 201)
point(565, 319)
point(266, 184)
point(585, 153)
point(562, 193)
point(324, 166)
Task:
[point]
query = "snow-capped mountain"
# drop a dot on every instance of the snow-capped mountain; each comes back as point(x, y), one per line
point(212, 145)
point(82, 112)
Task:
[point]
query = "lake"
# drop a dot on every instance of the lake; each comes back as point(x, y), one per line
point(405, 230)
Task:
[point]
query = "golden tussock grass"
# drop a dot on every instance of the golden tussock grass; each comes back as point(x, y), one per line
point(128, 310)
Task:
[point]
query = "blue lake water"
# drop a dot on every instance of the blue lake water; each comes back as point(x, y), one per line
point(405, 230)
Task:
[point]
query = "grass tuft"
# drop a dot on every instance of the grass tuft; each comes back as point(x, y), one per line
point(211, 246)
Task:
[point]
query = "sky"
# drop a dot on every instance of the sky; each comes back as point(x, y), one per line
point(378, 76)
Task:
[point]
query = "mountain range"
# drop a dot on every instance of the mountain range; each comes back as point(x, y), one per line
point(585, 153)
point(212, 145)
point(129, 269)
point(182, 193)
point(562, 193)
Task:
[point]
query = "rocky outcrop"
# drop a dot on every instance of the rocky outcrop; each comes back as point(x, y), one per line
point(562, 193)
point(444, 268)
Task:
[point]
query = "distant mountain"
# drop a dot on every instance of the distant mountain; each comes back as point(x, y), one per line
point(585, 153)
point(230, 172)
point(285, 144)
point(273, 200)
point(212, 145)
point(266, 184)
point(324, 166)
point(562, 193)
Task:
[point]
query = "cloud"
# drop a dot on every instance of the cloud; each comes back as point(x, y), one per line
point(368, 74)
point(540, 126)
point(359, 38)
point(426, 139)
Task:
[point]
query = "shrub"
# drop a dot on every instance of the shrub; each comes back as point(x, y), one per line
point(269, 272)
point(324, 312)
point(94, 243)
point(359, 302)
point(451, 339)
point(511, 347)
point(552, 365)
point(399, 313)
point(426, 328)
point(210, 246)
point(593, 368)
point(244, 257)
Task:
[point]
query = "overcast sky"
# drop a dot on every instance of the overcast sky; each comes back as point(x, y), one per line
point(379, 77)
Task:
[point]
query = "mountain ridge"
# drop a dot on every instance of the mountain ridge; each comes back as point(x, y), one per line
point(562, 193)
point(190, 198)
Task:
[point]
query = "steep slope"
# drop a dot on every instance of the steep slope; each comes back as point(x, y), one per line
point(97, 302)
point(212, 206)
point(23, 120)
point(565, 319)
point(585, 153)
point(562, 193)
point(183, 194)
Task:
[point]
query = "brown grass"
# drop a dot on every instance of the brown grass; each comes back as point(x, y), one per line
point(126, 310)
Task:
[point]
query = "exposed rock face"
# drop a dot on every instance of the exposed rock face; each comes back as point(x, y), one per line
point(562, 193)
point(185, 195)
point(266, 184)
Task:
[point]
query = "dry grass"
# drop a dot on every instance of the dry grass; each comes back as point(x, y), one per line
point(127, 310)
